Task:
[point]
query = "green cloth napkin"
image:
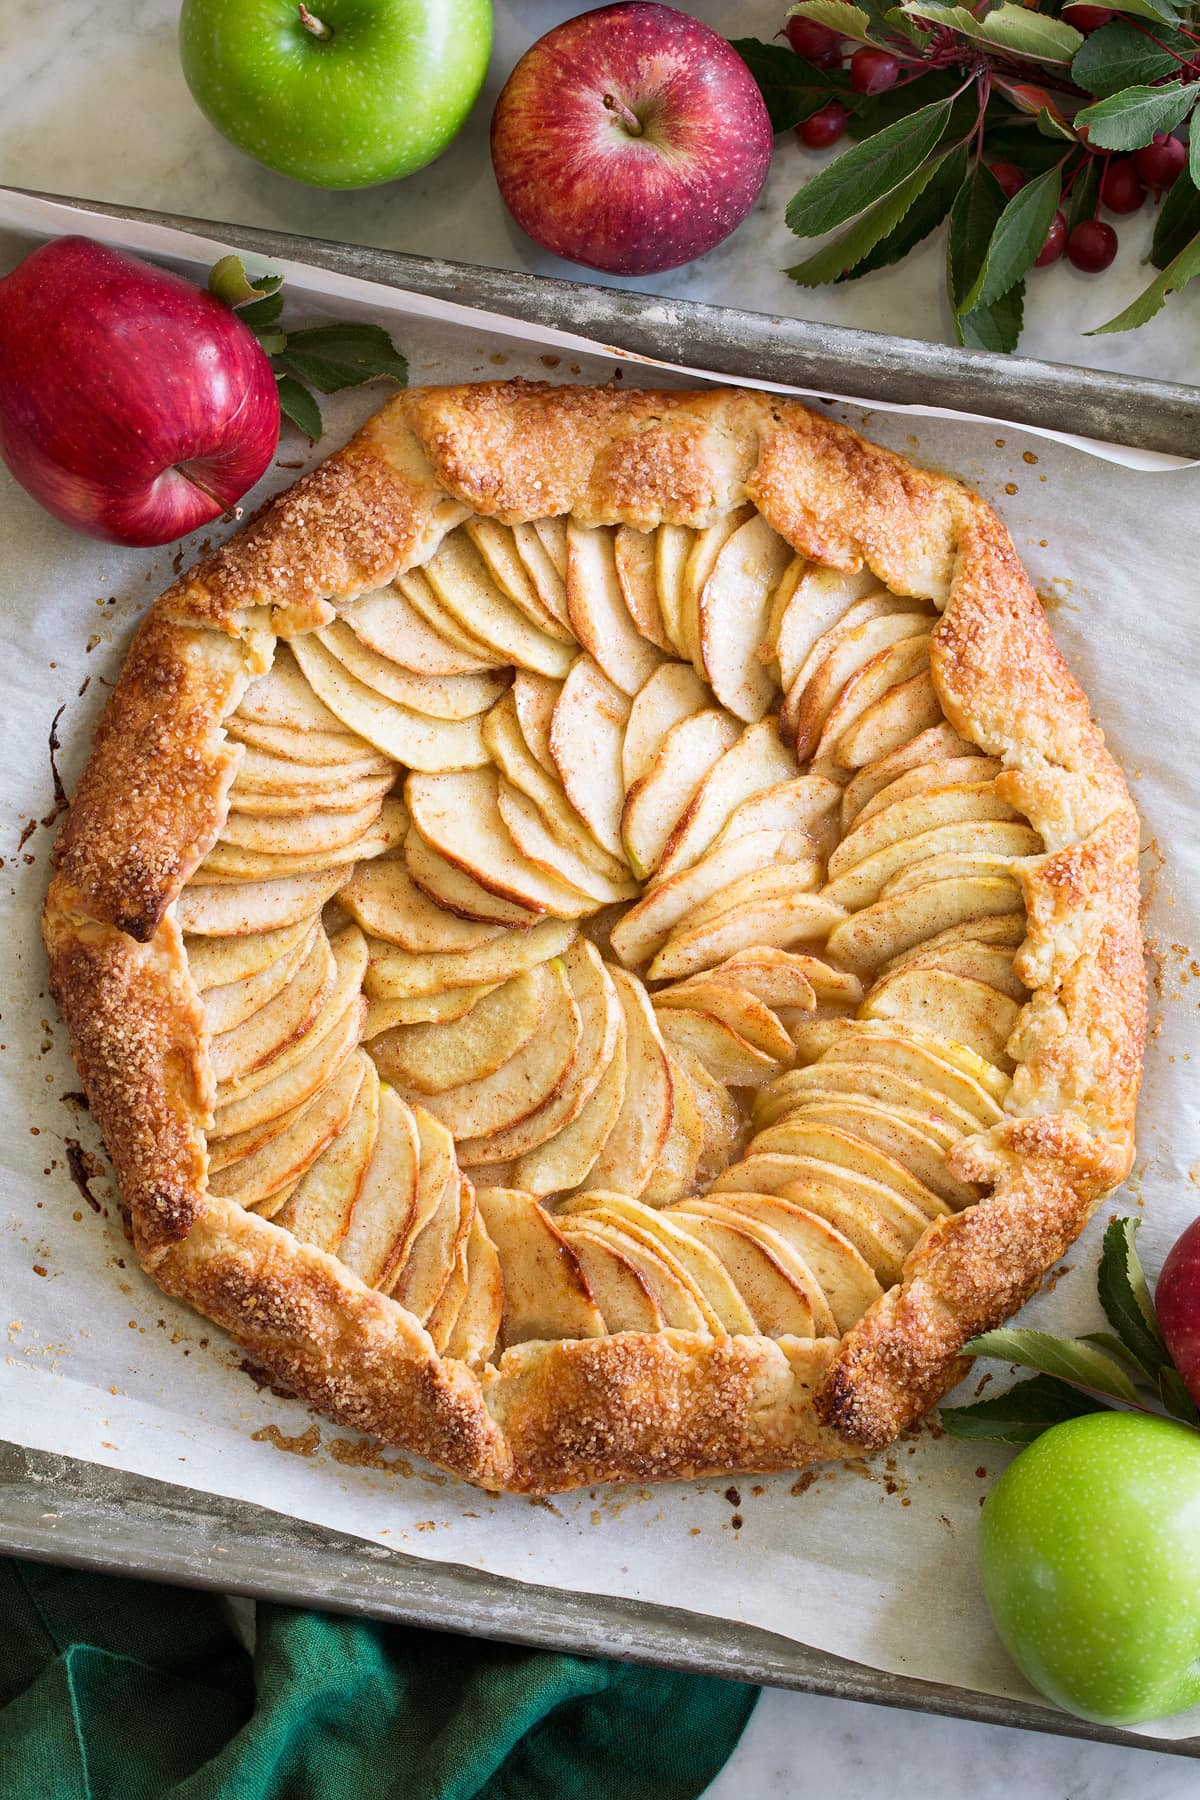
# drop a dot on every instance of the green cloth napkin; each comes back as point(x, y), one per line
point(112, 1689)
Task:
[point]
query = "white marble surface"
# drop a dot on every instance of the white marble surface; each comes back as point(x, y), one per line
point(92, 103)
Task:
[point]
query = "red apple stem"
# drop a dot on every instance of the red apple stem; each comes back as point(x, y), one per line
point(311, 23)
point(627, 116)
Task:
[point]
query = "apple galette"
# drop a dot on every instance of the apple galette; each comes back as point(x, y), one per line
point(601, 937)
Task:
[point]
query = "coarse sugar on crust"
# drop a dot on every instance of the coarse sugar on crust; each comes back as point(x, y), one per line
point(153, 800)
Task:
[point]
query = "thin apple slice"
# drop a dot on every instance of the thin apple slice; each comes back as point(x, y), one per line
point(427, 603)
point(757, 761)
point(325, 1049)
point(478, 1323)
point(1006, 930)
point(437, 696)
point(673, 1295)
point(725, 1054)
point(811, 701)
point(634, 552)
point(809, 804)
point(901, 714)
point(621, 1292)
point(679, 1159)
point(285, 1018)
point(565, 1159)
point(645, 927)
point(229, 863)
point(807, 603)
point(882, 1243)
point(252, 909)
point(459, 816)
point(320, 751)
point(635, 1142)
point(600, 1024)
point(781, 1301)
point(319, 1208)
point(723, 1124)
point(428, 1264)
point(951, 1069)
point(394, 974)
point(673, 692)
point(863, 882)
point(534, 1075)
point(808, 1180)
point(844, 1150)
point(672, 547)
point(387, 624)
point(742, 1011)
point(539, 845)
point(734, 603)
point(512, 756)
point(797, 876)
point(497, 546)
point(689, 1261)
point(387, 1198)
point(861, 1080)
point(939, 743)
point(545, 1292)
point(896, 1134)
point(599, 616)
point(845, 1277)
point(263, 772)
point(887, 669)
point(414, 739)
point(215, 962)
point(229, 1006)
point(535, 697)
point(553, 536)
point(444, 1314)
point(905, 818)
point(286, 1157)
point(431, 1058)
point(283, 698)
point(778, 922)
point(925, 778)
point(954, 865)
point(438, 1187)
point(991, 964)
point(308, 833)
point(385, 900)
point(441, 1008)
point(880, 932)
point(459, 577)
point(300, 809)
point(454, 890)
point(586, 734)
point(659, 798)
point(776, 977)
point(333, 999)
point(543, 568)
point(706, 546)
point(948, 1006)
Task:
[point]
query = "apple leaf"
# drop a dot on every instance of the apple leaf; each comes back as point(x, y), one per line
point(1017, 239)
point(866, 173)
point(1178, 272)
point(229, 282)
point(261, 313)
point(1085, 195)
point(836, 259)
point(1067, 1358)
point(792, 87)
point(1029, 34)
point(924, 215)
point(331, 357)
point(1175, 1397)
point(1128, 120)
point(847, 20)
point(1178, 217)
point(1120, 56)
point(1126, 1298)
point(298, 405)
point(996, 327)
point(973, 220)
point(1021, 1414)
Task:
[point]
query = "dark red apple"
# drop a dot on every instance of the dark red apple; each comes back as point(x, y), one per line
point(630, 139)
point(1177, 1303)
point(133, 405)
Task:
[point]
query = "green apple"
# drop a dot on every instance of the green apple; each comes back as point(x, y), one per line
point(342, 94)
point(1090, 1550)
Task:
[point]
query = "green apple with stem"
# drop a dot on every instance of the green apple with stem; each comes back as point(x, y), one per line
point(342, 93)
point(1089, 1546)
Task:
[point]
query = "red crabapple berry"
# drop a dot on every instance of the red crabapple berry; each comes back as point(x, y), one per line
point(873, 71)
point(1160, 162)
point(1011, 179)
point(1092, 246)
point(811, 40)
point(1055, 244)
point(1087, 18)
point(1121, 188)
point(825, 127)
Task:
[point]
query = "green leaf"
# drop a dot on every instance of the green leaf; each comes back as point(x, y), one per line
point(1120, 56)
point(1029, 34)
point(867, 172)
point(792, 88)
point(1155, 10)
point(924, 216)
point(330, 357)
point(934, 12)
point(996, 327)
point(1175, 1397)
point(261, 313)
point(1085, 195)
point(874, 112)
point(1018, 140)
point(1193, 163)
point(847, 20)
point(1067, 1358)
point(229, 282)
point(1017, 240)
point(1126, 1298)
point(846, 252)
point(298, 405)
point(973, 219)
point(1179, 215)
point(1109, 1341)
point(1127, 120)
point(1021, 1414)
point(1178, 272)
point(1052, 125)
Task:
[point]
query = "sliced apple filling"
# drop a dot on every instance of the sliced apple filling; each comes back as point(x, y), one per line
point(609, 933)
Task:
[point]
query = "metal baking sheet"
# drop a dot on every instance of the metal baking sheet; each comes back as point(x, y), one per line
point(58, 1509)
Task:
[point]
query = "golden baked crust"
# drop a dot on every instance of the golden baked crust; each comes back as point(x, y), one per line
point(152, 801)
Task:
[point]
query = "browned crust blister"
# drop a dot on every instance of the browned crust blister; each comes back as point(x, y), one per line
point(152, 801)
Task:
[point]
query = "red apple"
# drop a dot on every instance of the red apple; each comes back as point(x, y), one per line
point(1177, 1302)
point(133, 405)
point(630, 139)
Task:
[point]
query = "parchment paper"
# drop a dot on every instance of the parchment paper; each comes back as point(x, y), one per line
point(875, 1560)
